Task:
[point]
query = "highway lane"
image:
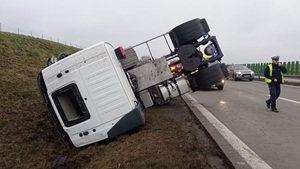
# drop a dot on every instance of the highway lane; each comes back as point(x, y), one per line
point(275, 137)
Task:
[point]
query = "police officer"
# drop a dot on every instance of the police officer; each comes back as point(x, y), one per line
point(274, 77)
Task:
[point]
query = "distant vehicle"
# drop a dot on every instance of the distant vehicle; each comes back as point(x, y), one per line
point(240, 72)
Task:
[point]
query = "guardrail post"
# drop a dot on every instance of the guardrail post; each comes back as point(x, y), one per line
point(285, 65)
point(261, 69)
point(265, 65)
point(289, 68)
point(293, 68)
point(248, 66)
point(297, 68)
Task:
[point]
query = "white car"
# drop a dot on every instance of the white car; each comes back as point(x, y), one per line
point(240, 72)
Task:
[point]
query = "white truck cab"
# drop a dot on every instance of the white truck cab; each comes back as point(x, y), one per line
point(100, 92)
point(89, 96)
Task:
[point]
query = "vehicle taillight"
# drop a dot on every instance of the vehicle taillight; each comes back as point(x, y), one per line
point(173, 68)
point(120, 52)
point(179, 67)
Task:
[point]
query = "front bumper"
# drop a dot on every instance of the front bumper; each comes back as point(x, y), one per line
point(244, 77)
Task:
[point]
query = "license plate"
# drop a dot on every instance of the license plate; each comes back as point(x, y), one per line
point(246, 75)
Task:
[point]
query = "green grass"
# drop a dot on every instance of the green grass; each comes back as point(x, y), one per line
point(25, 127)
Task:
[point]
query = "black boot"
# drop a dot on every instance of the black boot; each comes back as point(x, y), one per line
point(273, 109)
point(268, 103)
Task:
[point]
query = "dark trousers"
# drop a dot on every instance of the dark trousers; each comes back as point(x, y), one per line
point(274, 93)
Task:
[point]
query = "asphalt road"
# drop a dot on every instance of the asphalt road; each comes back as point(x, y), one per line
point(274, 137)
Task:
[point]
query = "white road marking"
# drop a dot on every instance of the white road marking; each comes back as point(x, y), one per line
point(249, 155)
point(289, 100)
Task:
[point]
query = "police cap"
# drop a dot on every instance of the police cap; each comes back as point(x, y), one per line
point(275, 58)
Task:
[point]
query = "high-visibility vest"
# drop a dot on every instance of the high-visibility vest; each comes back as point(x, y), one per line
point(267, 80)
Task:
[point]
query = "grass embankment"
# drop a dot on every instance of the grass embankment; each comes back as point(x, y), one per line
point(171, 137)
point(26, 137)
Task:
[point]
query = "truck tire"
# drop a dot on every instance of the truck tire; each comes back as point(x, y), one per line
point(187, 32)
point(224, 70)
point(209, 76)
point(193, 84)
point(189, 57)
point(131, 59)
point(204, 25)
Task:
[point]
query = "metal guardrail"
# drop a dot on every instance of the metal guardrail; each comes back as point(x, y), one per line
point(20, 31)
point(292, 67)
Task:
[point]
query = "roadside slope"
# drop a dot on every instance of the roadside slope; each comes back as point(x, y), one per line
point(25, 127)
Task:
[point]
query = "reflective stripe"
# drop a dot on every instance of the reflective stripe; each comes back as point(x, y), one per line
point(267, 80)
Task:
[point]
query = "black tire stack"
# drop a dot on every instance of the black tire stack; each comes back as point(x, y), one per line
point(183, 36)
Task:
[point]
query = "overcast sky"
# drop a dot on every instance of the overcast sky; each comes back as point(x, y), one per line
point(247, 31)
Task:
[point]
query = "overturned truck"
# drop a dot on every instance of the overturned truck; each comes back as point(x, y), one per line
point(100, 92)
